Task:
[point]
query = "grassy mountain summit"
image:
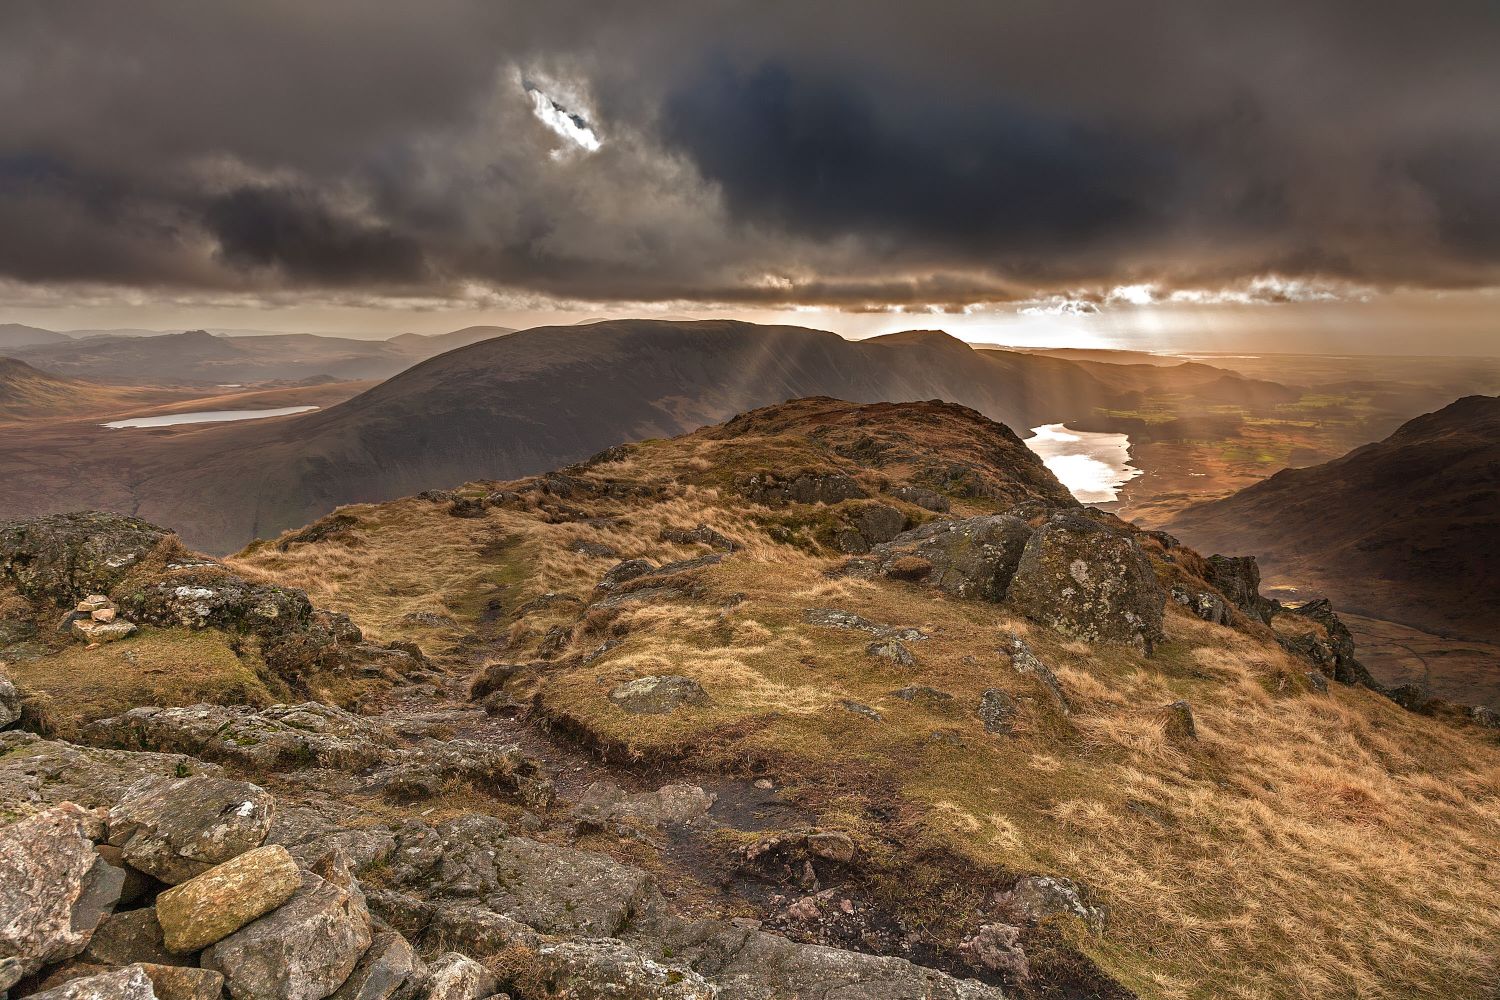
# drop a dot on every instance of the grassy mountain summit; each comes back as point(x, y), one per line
point(891, 615)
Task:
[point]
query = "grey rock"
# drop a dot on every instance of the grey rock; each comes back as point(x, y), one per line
point(54, 889)
point(130, 936)
point(997, 947)
point(588, 547)
point(129, 983)
point(997, 712)
point(1238, 578)
point(805, 487)
point(921, 694)
point(496, 769)
point(603, 804)
point(624, 572)
point(1026, 663)
point(1205, 604)
point(893, 650)
point(36, 772)
point(834, 618)
point(10, 701)
point(1317, 681)
point(1485, 717)
point(1038, 898)
point(922, 497)
point(605, 969)
point(174, 829)
point(303, 950)
point(1178, 722)
point(65, 557)
point(861, 709)
point(878, 522)
point(1334, 649)
point(389, 970)
point(1086, 580)
point(452, 976)
point(700, 535)
point(657, 695)
point(971, 558)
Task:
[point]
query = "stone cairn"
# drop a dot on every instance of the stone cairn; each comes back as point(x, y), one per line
point(97, 620)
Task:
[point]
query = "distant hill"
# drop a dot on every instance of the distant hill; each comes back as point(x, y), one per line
point(533, 400)
point(1406, 529)
point(28, 394)
point(200, 358)
point(13, 335)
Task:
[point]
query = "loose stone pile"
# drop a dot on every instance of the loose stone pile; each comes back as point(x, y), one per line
point(97, 619)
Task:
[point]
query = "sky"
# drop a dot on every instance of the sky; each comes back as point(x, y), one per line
point(1220, 175)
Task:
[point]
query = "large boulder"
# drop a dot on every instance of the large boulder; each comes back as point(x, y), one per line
point(36, 772)
point(303, 950)
point(211, 906)
point(974, 558)
point(457, 977)
point(54, 889)
point(65, 557)
point(1091, 581)
point(605, 969)
point(175, 829)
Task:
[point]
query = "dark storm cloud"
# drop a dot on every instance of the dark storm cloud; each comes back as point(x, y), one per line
point(856, 154)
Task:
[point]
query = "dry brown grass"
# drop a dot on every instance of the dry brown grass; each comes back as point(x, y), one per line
point(1304, 846)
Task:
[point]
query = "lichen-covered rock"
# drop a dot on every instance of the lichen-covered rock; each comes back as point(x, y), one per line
point(603, 803)
point(1205, 604)
point(624, 572)
point(180, 982)
point(701, 535)
point(10, 701)
point(878, 522)
point(54, 889)
point(452, 976)
point(174, 829)
point(1238, 578)
point(266, 739)
point(1091, 582)
point(657, 695)
point(224, 899)
point(605, 969)
point(63, 558)
point(35, 772)
point(972, 558)
point(126, 937)
point(389, 970)
point(803, 487)
point(129, 983)
point(90, 631)
point(997, 712)
point(302, 950)
point(503, 768)
point(835, 618)
point(1484, 717)
point(922, 497)
point(1035, 899)
point(1026, 663)
point(997, 947)
point(893, 650)
point(1330, 644)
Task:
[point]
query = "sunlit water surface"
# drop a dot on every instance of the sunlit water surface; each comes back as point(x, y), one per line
point(1093, 465)
point(206, 417)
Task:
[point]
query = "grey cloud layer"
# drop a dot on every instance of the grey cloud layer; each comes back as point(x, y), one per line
point(848, 153)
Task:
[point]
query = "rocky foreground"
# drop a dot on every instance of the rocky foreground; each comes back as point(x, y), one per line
point(830, 702)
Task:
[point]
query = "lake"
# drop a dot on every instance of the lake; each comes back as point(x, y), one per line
point(205, 417)
point(1093, 465)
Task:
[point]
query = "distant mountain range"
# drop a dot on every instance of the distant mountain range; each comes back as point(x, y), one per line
point(198, 357)
point(534, 400)
point(1406, 529)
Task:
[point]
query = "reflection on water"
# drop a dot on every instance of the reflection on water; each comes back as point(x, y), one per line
point(1091, 464)
point(206, 416)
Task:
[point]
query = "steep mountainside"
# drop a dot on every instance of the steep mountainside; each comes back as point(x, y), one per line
point(827, 701)
point(1406, 529)
point(27, 394)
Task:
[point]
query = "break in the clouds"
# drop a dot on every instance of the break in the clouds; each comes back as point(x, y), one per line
point(863, 154)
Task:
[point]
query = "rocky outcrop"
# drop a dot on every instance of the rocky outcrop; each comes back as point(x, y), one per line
point(1086, 580)
point(10, 701)
point(972, 558)
point(1315, 632)
point(62, 558)
point(1206, 604)
point(922, 497)
point(1238, 579)
point(803, 487)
